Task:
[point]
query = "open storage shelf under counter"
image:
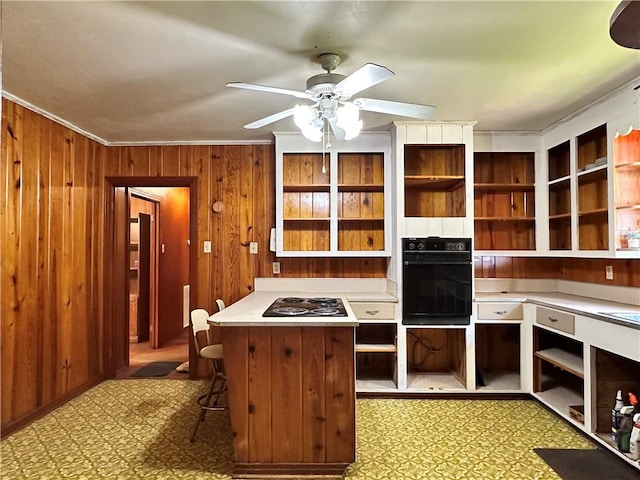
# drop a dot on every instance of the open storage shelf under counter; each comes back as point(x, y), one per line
point(436, 359)
point(498, 352)
point(612, 373)
point(558, 370)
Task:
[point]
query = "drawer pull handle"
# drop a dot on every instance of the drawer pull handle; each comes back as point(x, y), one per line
point(553, 320)
point(501, 312)
point(372, 312)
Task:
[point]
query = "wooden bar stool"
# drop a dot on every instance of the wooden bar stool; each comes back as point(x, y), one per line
point(209, 401)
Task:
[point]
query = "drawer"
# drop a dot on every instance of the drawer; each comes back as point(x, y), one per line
point(565, 322)
point(500, 311)
point(373, 310)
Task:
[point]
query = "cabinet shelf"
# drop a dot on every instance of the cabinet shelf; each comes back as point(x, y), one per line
point(562, 359)
point(324, 187)
point(360, 187)
point(361, 219)
point(505, 187)
point(560, 216)
point(624, 165)
point(441, 182)
point(628, 207)
point(560, 183)
point(306, 219)
point(593, 174)
point(504, 219)
point(595, 211)
point(375, 348)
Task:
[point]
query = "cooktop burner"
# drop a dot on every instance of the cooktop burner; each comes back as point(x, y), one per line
point(306, 307)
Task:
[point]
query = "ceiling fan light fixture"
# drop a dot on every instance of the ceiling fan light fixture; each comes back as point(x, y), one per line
point(307, 120)
point(348, 119)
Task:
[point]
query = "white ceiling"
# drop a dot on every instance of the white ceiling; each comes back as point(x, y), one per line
point(155, 72)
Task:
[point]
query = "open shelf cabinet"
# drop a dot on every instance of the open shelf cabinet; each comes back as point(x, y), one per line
point(504, 201)
point(612, 373)
point(436, 358)
point(559, 187)
point(593, 211)
point(434, 180)
point(626, 154)
point(558, 370)
point(498, 352)
point(332, 203)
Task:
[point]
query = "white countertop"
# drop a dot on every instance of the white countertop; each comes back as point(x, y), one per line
point(590, 307)
point(247, 312)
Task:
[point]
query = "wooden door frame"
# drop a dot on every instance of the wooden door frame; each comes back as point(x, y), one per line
point(116, 303)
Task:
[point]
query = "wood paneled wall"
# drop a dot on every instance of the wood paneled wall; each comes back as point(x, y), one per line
point(626, 272)
point(52, 237)
point(51, 240)
point(53, 229)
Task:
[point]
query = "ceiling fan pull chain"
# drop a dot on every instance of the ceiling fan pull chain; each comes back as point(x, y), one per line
point(324, 144)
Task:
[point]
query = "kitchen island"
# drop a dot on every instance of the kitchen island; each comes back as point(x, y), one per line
point(291, 389)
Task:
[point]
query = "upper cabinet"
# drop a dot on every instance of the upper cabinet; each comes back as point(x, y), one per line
point(593, 179)
point(434, 165)
point(626, 169)
point(336, 202)
point(504, 201)
point(559, 195)
point(592, 190)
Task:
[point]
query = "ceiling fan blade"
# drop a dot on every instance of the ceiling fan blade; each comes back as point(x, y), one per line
point(264, 88)
point(270, 119)
point(366, 76)
point(337, 131)
point(423, 112)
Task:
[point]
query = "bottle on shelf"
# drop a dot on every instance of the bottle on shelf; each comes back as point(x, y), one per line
point(623, 436)
point(616, 416)
point(634, 440)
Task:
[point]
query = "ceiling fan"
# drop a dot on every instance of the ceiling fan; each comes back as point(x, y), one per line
point(331, 93)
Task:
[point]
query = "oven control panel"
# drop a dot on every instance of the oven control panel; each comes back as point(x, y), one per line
point(436, 244)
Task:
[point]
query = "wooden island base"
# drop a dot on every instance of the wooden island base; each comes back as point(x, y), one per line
point(292, 400)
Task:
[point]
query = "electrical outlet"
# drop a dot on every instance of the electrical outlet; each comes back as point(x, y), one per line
point(608, 270)
point(253, 248)
point(276, 267)
point(207, 246)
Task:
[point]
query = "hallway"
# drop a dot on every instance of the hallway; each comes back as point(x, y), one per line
point(141, 354)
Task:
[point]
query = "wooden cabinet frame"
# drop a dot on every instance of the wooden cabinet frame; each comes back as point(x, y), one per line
point(341, 212)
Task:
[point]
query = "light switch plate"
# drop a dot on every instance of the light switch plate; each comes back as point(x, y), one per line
point(207, 246)
point(253, 248)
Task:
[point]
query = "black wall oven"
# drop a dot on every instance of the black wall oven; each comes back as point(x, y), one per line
point(436, 281)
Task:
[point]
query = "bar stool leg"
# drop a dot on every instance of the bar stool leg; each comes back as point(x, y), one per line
point(205, 400)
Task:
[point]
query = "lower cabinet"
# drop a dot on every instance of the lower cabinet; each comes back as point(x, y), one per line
point(558, 372)
point(498, 356)
point(376, 346)
point(436, 358)
point(572, 364)
point(612, 373)
point(499, 347)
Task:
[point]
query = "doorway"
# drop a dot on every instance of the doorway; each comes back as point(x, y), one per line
point(150, 226)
